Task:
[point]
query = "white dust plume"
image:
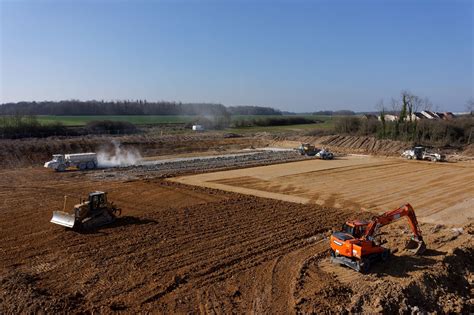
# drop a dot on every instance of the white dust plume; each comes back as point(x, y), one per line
point(118, 156)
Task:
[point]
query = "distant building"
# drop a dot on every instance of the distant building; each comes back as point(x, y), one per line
point(198, 128)
point(418, 116)
point(370, 116)
point(429, 114)
point(389, 117)
point(448, 116)
point(425, 114)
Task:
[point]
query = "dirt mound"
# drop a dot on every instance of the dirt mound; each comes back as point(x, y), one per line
point(27, 152)
point(443, 288)
point(438, 281)
point(469, 150)
point(362, 144)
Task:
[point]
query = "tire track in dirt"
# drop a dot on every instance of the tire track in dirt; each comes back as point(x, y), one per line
point(375, 184)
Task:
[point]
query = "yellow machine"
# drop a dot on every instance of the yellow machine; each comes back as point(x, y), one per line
point(90, 214)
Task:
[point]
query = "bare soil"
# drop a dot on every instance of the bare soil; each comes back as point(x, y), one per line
point(181, 249)
point(439, 192)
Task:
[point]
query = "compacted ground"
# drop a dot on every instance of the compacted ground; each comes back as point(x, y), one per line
point(439, 192)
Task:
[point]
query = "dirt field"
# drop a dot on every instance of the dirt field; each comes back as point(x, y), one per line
point(189, 249)
point(441, 192)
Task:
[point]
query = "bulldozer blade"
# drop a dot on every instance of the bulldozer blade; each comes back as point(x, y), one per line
point(63, 219)
point(415, 247)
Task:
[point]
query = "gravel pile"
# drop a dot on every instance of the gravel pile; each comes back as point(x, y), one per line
point(181, 166)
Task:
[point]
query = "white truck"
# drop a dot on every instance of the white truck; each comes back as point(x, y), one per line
point(324, 155)
point(421, 153)
point(82, 161)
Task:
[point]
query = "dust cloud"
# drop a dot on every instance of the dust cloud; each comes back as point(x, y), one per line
point(118, 156)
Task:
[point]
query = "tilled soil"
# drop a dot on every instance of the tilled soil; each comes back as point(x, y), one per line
point(185, 249)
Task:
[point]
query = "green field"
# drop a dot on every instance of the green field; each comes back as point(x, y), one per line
point(156, 119)
point(134, 119)
point(73, 121)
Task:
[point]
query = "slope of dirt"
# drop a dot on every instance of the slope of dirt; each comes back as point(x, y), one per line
point(348, 144)
point(439, 281)
point(344, 144)
point(28, 152)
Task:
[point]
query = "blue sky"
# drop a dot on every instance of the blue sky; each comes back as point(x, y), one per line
point(292, 55)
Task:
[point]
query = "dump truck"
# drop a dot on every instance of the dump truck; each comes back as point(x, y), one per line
point(421, 153)
point(81, 161)
point(88, 214)
point(355, 245)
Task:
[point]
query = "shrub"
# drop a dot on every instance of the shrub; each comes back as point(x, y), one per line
point(20, 126)
point(111, 127)
point(347, 125)
point(274, 121)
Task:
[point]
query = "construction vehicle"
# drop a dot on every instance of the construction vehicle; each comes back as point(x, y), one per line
point(82, 161)
point(87, 215)
point(324, 155)
point(421, 153)
point(355, 246)
point(307, 149)
point(311, 150)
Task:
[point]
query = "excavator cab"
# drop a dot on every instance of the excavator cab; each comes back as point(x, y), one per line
point(356, 228)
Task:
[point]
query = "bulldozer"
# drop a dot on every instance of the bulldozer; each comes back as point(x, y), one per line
point(88, 214)
point(355, 245)
point(307, 149)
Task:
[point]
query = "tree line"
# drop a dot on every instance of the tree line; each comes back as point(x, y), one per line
point(406, 127)
point(138, 107)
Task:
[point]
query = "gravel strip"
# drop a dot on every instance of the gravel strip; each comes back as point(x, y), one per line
point(182, 166)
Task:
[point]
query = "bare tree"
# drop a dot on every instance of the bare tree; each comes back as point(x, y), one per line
point(470, 105)
point(395, 105)
point(427, 104)
point(381, 108)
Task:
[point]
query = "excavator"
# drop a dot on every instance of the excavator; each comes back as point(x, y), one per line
point(355, 245)
point(88, 214)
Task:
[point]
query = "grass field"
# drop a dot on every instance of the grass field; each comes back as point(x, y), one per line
point(163, 119)
point(134, 119)
point(71, 121)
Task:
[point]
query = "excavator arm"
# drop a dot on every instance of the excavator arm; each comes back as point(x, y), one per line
point(416, 244)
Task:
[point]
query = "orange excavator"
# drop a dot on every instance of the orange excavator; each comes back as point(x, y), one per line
point(355, 245)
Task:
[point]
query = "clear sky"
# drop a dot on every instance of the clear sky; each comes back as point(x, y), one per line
point(292, 55)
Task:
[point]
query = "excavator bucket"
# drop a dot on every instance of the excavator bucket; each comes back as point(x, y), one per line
point(63, 218)
point(415, 247)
